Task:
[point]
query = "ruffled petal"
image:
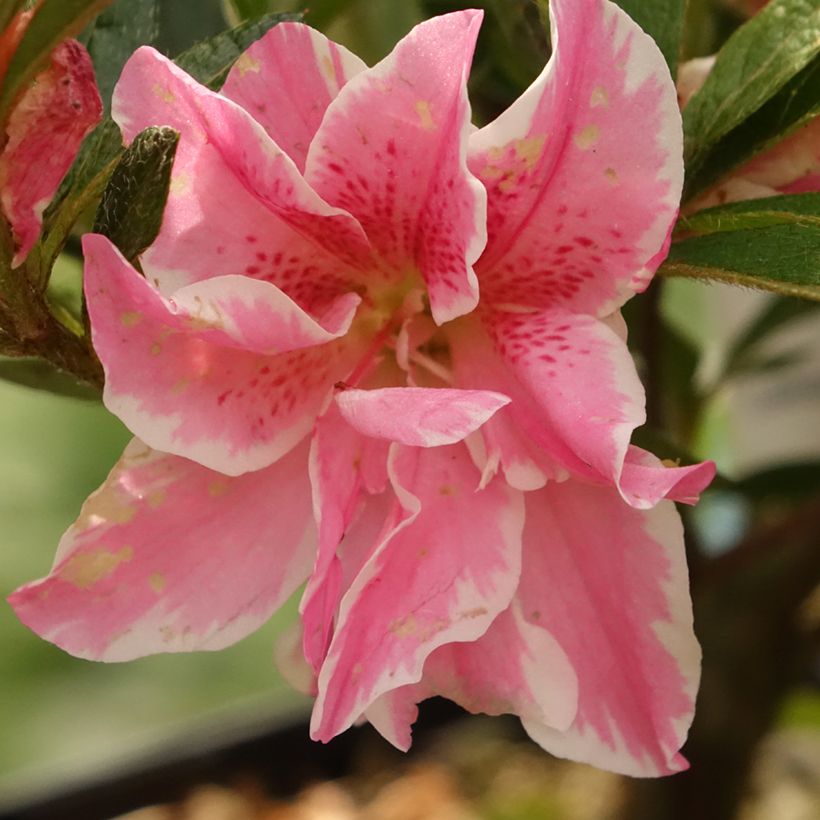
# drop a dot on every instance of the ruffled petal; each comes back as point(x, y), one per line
point(392, 151)
point(443, 575)
point(609, 583)
point(341, 463)
point(287, 79)
point(44, 132)
point(515, 668)
point(419, 416)
point(230, 373)
point(576, 397)
point(168, 556)
point(645, 479)
point(584, 171)
point(238, 204)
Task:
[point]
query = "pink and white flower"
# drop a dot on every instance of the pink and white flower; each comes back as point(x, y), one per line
point(43, 133)
point(318, 394)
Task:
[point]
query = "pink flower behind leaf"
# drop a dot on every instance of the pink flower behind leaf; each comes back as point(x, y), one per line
point(309, 331)
point(43, 133)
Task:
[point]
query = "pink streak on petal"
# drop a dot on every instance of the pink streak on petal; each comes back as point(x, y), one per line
point(231, 376)
point(617, 601)
point(646, 480)
point(584, 172)
point(152, 90)
point(392, 151)
point(418, 416)
point(170, 557)
point(442, 575)
point(44, 132)
point(287, 79)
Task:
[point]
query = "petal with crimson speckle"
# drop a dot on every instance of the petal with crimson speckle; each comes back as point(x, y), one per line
point(228, 166)
point(392, 151)
point(287, 79)
point(44, 132)
point(576, 397)
point(609, 583)
point(231, 373)
point(443, 574)
point(168, 556)
point(584, 171)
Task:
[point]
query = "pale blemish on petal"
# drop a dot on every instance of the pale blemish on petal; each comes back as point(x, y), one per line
point(166, 95)
point(588, 137)
point(156, 499)
point(599, 98)
point(247, 64)
point(218, 488)
point(88, 568)
point(130, 318)
point(425, 115)
point(156, 580)
point(529, 149)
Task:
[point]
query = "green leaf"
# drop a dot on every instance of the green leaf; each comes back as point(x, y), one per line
point(115, 35)
point(792, 108)
point(662, 21)
point(759, 59)
point(41, 375)
point(800, 209)
point(53, 22)
point(782, 258)
point(210, 60)
point(130, 212)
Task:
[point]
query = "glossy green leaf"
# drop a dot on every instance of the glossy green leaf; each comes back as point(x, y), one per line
point(662, 20)
point(794, 209)
point(115, 35)
point(792, 108)
point(53, 22)
point(782, 258)
point(758, 60)
point(210, 60)
point(130, 212)
point(41, 375)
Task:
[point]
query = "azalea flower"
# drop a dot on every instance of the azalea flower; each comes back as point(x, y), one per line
point(43, 132)
point(319, 396)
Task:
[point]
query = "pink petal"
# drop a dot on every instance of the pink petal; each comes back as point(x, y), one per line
point(515, 667)
point(238, 203)
point(442, 575)
point(44, 132)
point(168, 556)
point(392, 151)
point(230, 373)
point(418, 416)
point(609, 583)
point(584, 171)
point(338, 468)
point(287, 79)
point(575, 394)
point(645, 480)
